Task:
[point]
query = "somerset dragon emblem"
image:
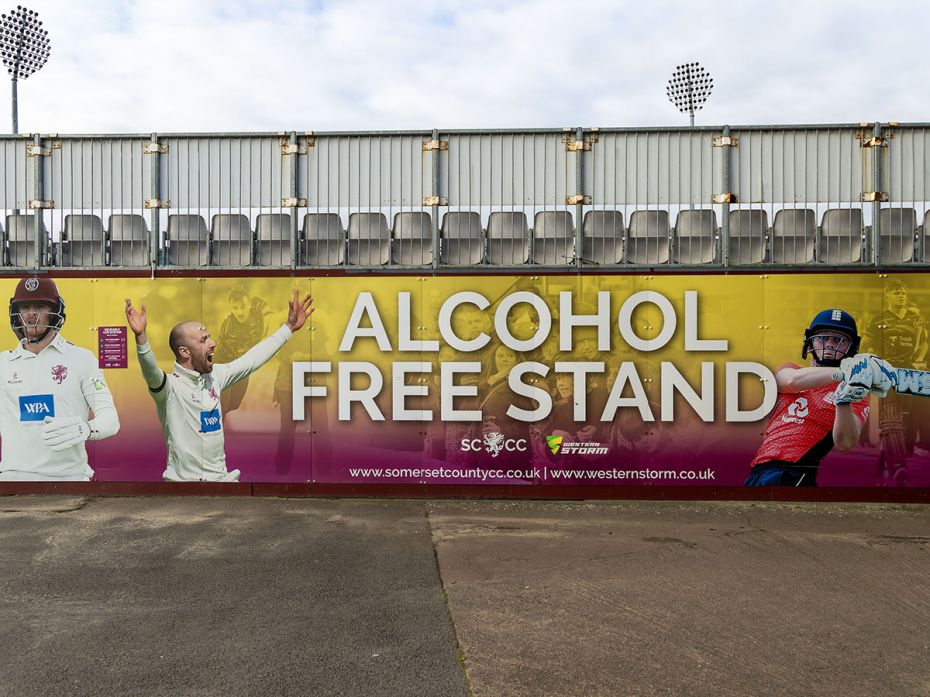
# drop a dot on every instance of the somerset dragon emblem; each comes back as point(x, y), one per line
point(59, 373)
point(494, 443)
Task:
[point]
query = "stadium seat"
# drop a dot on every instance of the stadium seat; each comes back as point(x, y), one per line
point(841, 235)
point(553, 238)
point(413, 239)
point(508, 238)
point(647, 242)
point(461, 242)
point(21, 235)
point(898, 230)
point(232, 240)
point(696, 237)
point(369, 239)
point(603, 234)
point(748, 231)
point(129, 240)
point(324, 240)
point(793, 233)
point(924, 233)
point(273, 237)
point(83, 242)
point(188, 240)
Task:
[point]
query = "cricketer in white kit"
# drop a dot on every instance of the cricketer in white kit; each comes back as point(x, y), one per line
point(50, 390)
point(188, 398)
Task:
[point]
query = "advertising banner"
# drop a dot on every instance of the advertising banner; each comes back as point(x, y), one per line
point(567, 380)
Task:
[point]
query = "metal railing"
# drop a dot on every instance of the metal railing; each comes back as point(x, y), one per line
point(817, 196)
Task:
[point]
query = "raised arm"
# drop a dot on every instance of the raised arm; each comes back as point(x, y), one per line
point(792, 380)
point(154, 376)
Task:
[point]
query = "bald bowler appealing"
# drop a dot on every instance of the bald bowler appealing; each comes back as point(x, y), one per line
point(188, 399)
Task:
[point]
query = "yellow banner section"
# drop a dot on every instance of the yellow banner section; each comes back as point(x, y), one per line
point(762, 317)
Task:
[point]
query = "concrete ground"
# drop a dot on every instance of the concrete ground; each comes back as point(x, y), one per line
point(231, 596)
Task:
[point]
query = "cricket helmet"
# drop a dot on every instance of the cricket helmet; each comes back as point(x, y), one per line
point(36, 289)
point(832, 321)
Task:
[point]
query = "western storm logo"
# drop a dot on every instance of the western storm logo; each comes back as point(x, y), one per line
point(797, 411)
point(557, 444)
point(32, 284)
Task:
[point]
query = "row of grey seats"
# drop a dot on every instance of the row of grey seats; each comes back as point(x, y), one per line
point(794, 238)
point(127, 243)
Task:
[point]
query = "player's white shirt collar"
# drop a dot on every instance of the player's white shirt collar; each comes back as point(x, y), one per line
point(59, 343)
point(191, 375)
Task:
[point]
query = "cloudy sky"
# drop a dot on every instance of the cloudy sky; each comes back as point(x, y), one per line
point(269, 65)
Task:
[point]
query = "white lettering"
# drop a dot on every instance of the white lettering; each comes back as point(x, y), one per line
point(365, 305)
point(627, 373)
point(503, 311)
point(401, 390)
point(579, 372)
point(734, 413)
point(542, 398)
point(448, 391)
point(673, 380)
point(365, 396)
point(445, 321)
point(299, 390)
point(404, 320)
point(568, 320)
point(625, 320)
point(692, 343)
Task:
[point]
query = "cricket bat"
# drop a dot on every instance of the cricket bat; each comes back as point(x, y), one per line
point(915, 382)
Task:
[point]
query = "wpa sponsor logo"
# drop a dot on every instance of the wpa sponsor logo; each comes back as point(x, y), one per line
point(35, 407)
point(494, 443)
point(210, 421)
point(559, 446)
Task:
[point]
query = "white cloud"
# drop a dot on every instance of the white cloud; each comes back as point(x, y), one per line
point(207, 65)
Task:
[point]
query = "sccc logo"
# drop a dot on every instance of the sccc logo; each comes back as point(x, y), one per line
point(494, 443)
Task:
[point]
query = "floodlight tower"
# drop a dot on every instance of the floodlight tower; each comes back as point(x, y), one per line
point(689, 87)
point(25, 48)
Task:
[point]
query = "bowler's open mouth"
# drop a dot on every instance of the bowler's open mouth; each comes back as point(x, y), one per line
point(210, 357)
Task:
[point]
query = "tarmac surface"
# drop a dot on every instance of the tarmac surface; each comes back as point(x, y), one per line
point(199, 596)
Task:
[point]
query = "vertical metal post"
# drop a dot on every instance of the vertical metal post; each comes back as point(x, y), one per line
point(37, 220)
point(579, 190)
point(877, 186)
point(155, 210)
point(292, 195)
point(15, 105)
point(690, 96)
point(434, 193)
point(728, 188)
